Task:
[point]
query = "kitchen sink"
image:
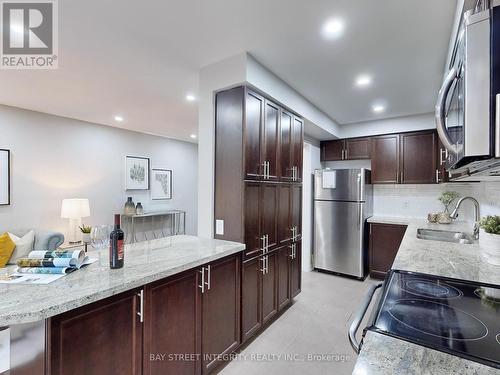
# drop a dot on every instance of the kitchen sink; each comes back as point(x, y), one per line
point(444, 236)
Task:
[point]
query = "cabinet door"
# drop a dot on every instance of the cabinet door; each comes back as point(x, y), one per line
point(270, 136)
point(419, 157)
point(270, 288)
point(254, 111)
point(332, 150)
point(385, 240)
point(284, 265)
point(284, 214)
point(296, 270)
point(297, 147)
point(269, 210)
point(103, 338)
point(252, 214)
point(385, 159)
point(357, 148)
point(286, 146)
point(221, 312)
point(251, 297)
point(296, 217)
point(172, 325)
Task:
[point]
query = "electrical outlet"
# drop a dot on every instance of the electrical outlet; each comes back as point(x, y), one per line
point(219, 227)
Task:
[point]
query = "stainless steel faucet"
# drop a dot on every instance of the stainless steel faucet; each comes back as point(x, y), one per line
point(454, 214)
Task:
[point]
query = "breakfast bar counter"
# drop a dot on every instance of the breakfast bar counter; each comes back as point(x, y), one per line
point(145, 262)
point(381, 354)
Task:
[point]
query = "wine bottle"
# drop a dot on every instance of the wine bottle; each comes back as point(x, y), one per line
point(116, 253)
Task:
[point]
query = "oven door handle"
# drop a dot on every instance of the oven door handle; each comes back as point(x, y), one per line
point(440, 115)
point(358, 318)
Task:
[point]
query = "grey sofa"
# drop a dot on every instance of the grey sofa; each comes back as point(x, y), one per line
point(44, 239)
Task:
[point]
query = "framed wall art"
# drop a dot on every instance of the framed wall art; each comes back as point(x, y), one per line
point(161, 184)
point(4, 177)
point(136, 173)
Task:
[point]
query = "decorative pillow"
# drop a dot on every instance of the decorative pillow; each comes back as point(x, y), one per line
point(6, 248)
point(23, 245)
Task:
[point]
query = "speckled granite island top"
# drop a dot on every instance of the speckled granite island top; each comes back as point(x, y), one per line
point(381, 354)
point(145, 262)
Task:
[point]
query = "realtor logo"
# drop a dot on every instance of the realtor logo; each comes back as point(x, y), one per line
point(29, 34)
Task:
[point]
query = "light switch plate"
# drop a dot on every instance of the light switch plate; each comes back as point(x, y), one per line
point(219, 227)
point(4, 349)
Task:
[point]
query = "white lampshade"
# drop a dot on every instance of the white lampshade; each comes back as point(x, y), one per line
point(75, 208)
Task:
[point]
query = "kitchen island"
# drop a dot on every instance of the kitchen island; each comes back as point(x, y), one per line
point(381, 354)
point(113, 316)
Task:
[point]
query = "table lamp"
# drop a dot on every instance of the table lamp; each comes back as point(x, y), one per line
point(74, 210)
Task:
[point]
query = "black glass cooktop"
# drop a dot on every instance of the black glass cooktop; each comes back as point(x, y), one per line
point(454, 316)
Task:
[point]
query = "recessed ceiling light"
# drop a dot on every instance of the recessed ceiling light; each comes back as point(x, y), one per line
point(118, 118)
point(333, 28)
point(193, 136)
point(363, 80)
point(378, 108)
point(190, 98)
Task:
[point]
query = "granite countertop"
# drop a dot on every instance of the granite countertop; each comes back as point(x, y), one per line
point(145, 262)
point(381, 354)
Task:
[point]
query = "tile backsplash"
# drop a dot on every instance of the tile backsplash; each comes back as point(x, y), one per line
point(419, 200)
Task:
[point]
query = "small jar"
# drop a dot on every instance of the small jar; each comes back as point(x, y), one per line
point(139, 210)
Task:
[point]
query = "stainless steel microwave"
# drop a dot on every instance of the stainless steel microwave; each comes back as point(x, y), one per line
point(468, 107)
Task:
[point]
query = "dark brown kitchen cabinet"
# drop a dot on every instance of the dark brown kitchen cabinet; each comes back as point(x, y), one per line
point(261, 217)
point(357, 148)
point(172, 324)
point(385, 240)
point(284, 268)
point(332, 150)
point(296, 211)
point(220, 310)
point(286, 161)
point(385, 159)
point(269, 286)
point(295, 269)
point(103, 338)
point(284, 214)
point(270, 137)
point(254, 111)
point(297, 148)
point(418, 163)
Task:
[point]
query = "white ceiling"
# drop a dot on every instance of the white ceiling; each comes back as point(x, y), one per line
point(140, 59)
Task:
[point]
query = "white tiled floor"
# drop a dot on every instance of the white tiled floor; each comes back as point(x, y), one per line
point(316, 323)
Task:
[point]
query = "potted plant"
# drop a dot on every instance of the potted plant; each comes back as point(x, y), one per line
point(446, 198)
point(489, 238)
point(86, 233)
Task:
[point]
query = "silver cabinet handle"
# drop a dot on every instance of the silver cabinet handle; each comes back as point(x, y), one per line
point(263, 239)
point(263, 269)
point(443, 152)
point(202, 286)
point(346, 154)
point(267, 243)
point(343, 158)
point(358, 318)
point(291, 250)
point(268, 175)
point(141, 305)
point(497, 127)
point(437, 176)
point(440, 116)
point(267, 264)
point(209, 277)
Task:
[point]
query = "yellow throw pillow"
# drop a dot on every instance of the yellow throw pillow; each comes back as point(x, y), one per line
point(7, 247)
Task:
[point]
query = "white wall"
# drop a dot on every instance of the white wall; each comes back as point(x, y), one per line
point(55, 158)
point(393, 125)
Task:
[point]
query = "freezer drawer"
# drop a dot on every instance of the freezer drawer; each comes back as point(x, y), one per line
point(339, 237)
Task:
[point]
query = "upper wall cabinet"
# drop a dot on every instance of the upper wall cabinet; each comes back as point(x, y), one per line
point(419, 158)
point(297, 148)
point(346, 149)
point(254, 111)
point(385, 159)
point(270, 137)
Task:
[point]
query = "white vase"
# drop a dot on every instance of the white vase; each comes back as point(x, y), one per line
point(490, 247)
point(86, 237)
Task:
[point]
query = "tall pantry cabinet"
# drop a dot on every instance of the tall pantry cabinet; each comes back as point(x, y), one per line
point(258, 198)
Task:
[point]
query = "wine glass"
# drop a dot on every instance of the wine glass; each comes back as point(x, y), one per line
point(99, 239)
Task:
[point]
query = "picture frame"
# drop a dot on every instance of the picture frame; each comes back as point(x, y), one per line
point(4, 177)
point(136, 173)
point(161, 184)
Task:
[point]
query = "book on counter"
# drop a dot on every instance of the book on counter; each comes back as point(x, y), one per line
point(58, 262)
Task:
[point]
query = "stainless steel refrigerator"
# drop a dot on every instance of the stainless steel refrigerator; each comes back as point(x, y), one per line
point(342, 203)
